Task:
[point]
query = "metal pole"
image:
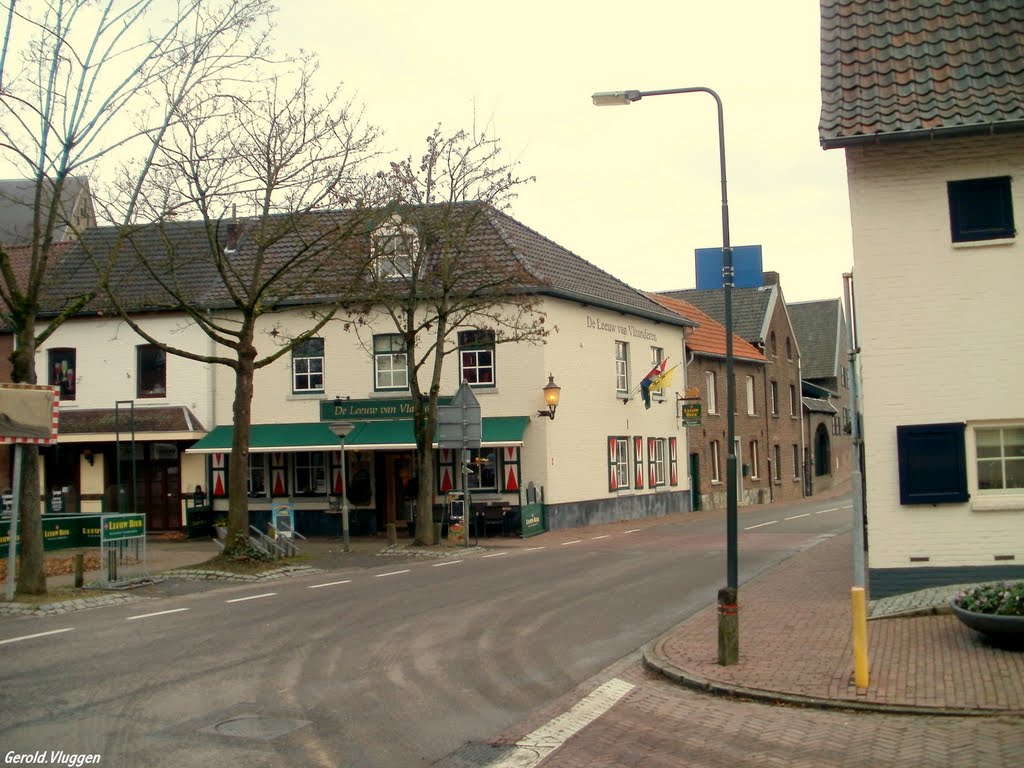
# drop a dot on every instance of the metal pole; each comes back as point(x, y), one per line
point(344, 498)
point(13, 542)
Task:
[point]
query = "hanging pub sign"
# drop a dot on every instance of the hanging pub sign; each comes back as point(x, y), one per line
point(690, 413)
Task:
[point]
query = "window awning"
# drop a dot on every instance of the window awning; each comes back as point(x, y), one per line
point(398, 435)
point(367, 436)
point(268, 438)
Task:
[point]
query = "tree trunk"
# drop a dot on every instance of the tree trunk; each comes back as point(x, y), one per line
point(238, 461)
point(32, 571)
point(424, 419)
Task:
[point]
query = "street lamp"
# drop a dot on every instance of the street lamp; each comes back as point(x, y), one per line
point(728, 618)
point(342, 430)
point(552, 392)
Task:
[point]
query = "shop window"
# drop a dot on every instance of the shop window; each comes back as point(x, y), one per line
point(308, 366)
point(309, 474)
point(151, 371)
point(390, 366)
point(63, 371)
point(932, 463)
point(258, 475)
point(476, 357)
point(483, 466)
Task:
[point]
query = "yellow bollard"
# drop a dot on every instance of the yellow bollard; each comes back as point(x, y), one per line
point(860, 637)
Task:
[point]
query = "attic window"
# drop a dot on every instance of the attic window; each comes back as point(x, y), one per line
point(395, 247)
point(980, 209)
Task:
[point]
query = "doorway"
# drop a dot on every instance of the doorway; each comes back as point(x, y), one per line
point(695, 482)
point(400, 489)
point(157, 483)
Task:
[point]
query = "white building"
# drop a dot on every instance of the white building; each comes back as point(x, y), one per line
point(603, 457)
point(934, 143)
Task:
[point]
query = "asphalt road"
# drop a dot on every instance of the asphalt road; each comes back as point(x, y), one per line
point(397, 665)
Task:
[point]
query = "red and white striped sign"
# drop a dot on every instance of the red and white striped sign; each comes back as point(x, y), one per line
point(29, 413)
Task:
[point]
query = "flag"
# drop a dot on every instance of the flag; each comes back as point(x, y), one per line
point(645, 386)
point(664, 380)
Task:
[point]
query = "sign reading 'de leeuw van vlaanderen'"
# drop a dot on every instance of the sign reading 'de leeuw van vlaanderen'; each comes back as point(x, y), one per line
point(370, 410)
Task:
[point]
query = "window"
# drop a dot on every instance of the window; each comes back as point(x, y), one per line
point(62, 372)
point(258, 474)
point(390, 368)
point(751, 402)
point(656, 459)
point(476, 356)
point(622, 368)
point(772, 345)
point(1000, 457)
point(712, 392)
point(845, 376)
point(618, 463)
point(308, 366)
point(837, 427)
point(151, 371)
point(794, 409)
point(309, 474)
point(775, 398)
point(483, 463)
point(932, 464)
point(657, 355)
point(755, 470)
point(980, 209)
point(716, 476)
point(796, 461)
point(395, 250)
point(789, 348)
point(777, 463)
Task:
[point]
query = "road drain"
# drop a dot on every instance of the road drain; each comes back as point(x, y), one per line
point(255, 727)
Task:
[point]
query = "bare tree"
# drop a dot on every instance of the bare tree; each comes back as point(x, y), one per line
point(80, 81)
point(437, 269)
point(288, 160)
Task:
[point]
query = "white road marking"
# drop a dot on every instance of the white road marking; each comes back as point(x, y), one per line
point(450, 562)
point(823, 511)
point(533, 549)
point(536, 746)
point(632, 530)
point(158, 613)
point(574, 541)
point(797, 517)
point(494, 554)
point(37, 634)
point(251, 597)
point(330, 584)
point(595, 538)
point(392, 573)
point(760, 525)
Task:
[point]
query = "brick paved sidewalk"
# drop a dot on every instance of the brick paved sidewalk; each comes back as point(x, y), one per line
point(795, 644)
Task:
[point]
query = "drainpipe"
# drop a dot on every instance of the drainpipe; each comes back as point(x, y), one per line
point(769, 453)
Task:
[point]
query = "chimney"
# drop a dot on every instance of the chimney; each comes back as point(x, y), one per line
point(770, 278)
point(234, 231)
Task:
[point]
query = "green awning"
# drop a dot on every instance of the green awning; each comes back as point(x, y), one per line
point(267, 438)
point(398, 435)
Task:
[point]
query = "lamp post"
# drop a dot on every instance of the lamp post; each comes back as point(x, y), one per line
point(728, 618)
point(342, 429)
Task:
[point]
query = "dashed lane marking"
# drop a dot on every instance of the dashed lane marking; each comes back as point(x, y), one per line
point(533, 549)
point(158, 613)
point(251, 597)
point(37, 634)
point(797, 517)
point(574, 541)
point(494, 554)
point(760, 525)
point(595, 538)
point(450, 562)
point(330, 584)
point(390, 573)
point(632, 530)
point(830, 509)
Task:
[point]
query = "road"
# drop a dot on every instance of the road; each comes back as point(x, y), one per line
point(398, 665)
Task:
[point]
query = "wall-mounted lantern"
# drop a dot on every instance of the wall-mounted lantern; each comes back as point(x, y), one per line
point(551, 394)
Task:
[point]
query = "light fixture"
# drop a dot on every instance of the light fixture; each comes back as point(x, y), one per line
point(88, 456)
point(551, 394)
point(342, 429)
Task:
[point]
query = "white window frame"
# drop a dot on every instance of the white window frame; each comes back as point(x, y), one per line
point(716, 468)
point(755, 469)
point(622, 368)
point(777, 468)
point(308, 368)
point(657, 355)
point(623, 479)
point(796, 461)
point(397, 364)
point(658, 460)
point(395, 251)
point(794, 409)
point(314, 465)
point(1002, 459)
point(751, 397)
point(711, 385)
point(774, 389)
point(473, 359)
point(258, 468)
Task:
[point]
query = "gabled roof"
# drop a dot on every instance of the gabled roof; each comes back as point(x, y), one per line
point(751, 308)
point(182, 249)
point(820, 330)
point(708, 338)
point(816, 405)
point(919, 68)
point(17, 208)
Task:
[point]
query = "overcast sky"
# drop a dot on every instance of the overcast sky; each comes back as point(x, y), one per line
point(632, 189)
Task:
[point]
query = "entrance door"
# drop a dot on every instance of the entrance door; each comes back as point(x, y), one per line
point(695, 482)
point(400, 488)
point(158, 485)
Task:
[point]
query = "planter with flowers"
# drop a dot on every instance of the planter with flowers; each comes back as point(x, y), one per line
point(995, 610)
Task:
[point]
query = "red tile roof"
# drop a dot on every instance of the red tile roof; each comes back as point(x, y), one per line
point(708, 338)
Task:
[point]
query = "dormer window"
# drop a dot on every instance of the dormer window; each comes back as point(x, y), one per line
point(395, 248)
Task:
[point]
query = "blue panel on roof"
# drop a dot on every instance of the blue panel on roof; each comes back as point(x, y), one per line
point(746, 262)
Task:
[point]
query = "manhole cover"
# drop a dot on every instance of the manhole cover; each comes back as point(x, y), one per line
point(255, 727)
